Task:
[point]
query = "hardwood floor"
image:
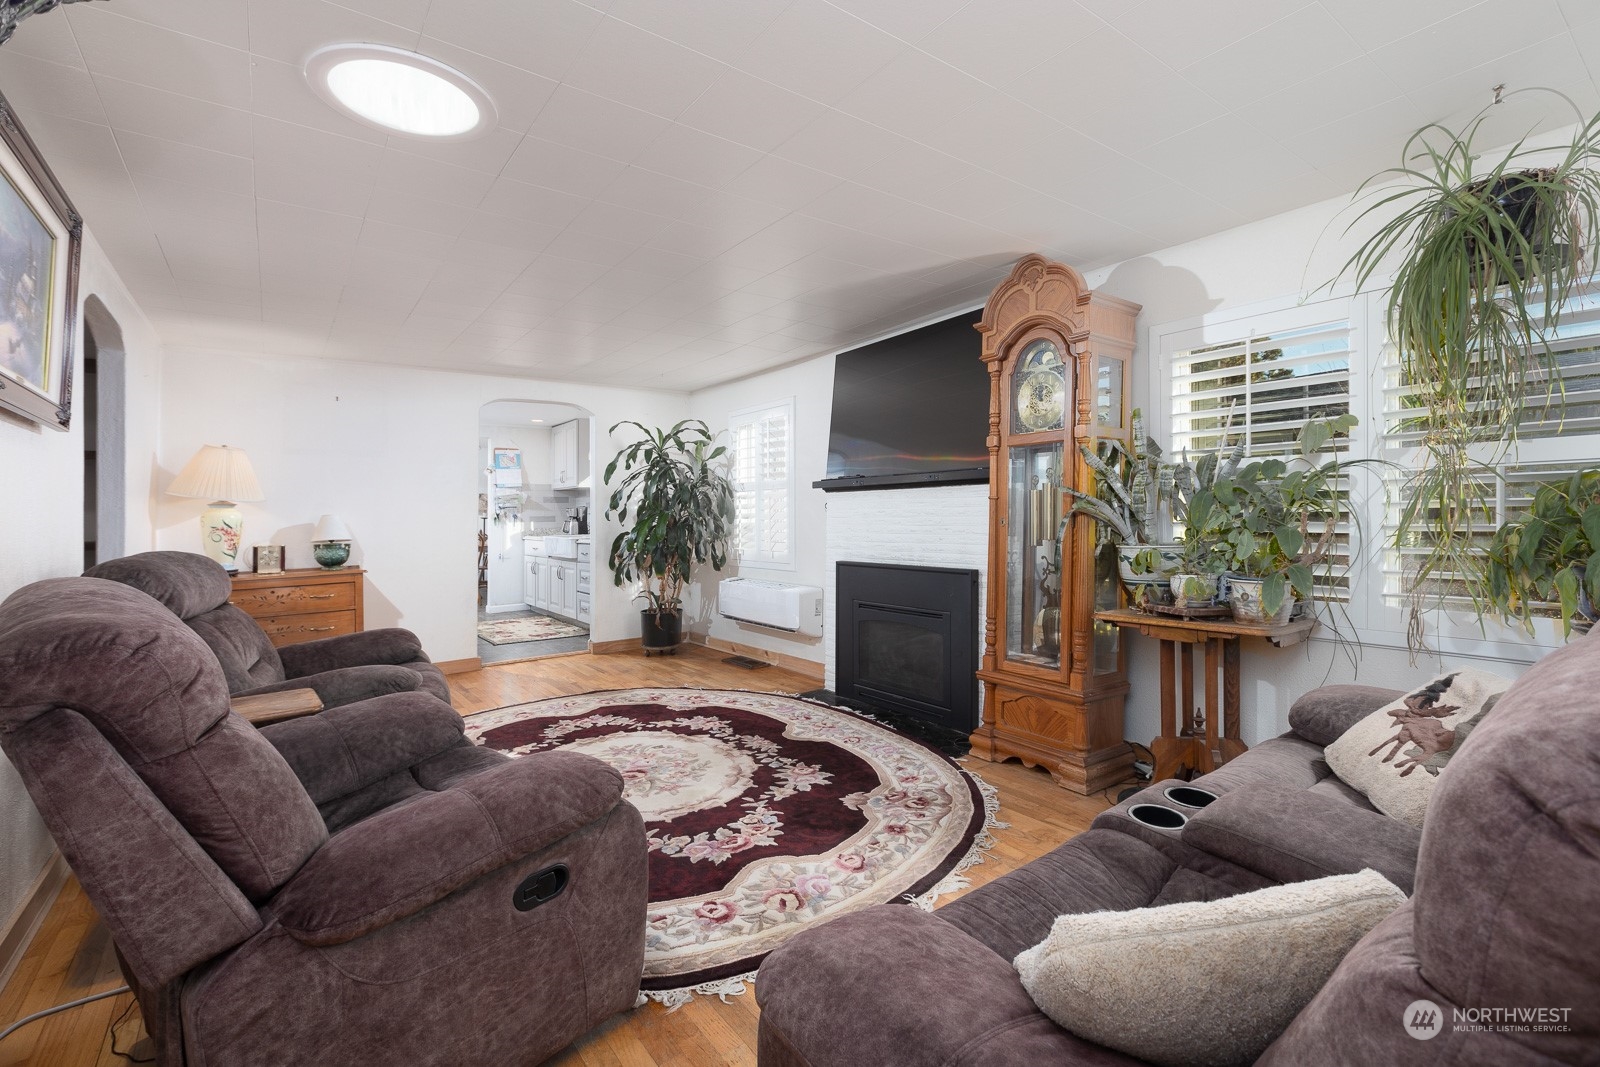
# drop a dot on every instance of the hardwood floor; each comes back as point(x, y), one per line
point(71, 956)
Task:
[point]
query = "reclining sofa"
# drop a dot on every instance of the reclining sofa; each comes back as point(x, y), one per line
point(1502, 911)
point(341, 669)
point(364, 886)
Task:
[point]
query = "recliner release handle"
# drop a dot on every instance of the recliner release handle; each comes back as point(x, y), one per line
point(540, 887)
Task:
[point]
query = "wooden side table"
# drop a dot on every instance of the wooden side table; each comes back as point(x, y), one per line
point(1190, 747)
point(302, 605)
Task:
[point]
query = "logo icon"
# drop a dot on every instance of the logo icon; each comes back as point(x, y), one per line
point(1423, 1019)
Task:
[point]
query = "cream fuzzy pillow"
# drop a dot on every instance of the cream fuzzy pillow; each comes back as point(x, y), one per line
point(1207, 984)
point(1394, 756)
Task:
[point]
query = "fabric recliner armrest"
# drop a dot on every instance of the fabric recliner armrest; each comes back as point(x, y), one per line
point(414, 854)
point(346, 685)
point(348, 748)
point(1324, 714)
point(1294, 835)
point(391, 645)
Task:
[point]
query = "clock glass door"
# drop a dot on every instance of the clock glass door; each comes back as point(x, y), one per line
point(1033, 555)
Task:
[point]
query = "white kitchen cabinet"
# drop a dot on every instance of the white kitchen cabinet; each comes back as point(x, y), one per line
point(565, 456)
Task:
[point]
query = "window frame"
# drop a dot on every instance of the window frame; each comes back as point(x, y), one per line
point(1376, 613)
point(755, 414)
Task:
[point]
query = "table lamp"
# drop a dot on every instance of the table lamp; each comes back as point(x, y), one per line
point(330, 542)
point(223, 475)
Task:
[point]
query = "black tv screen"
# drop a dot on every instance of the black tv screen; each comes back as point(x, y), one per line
point(911, 410)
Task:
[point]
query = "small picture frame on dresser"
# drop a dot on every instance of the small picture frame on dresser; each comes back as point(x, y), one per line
point(268, 559)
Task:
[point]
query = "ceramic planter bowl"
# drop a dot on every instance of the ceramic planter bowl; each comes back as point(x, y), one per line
point(1244, 596)
point(1148, 563)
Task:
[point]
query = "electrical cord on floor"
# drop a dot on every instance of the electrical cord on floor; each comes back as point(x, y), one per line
point(127, 1053)
point(20, 1023)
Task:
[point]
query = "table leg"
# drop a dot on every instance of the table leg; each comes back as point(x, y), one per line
point(1231, 745)
point(1208, 758)
point(1171, 750)
point(1190, 727)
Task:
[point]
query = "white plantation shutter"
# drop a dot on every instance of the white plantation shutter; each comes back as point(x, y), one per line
point(1260, 388)
point(763, 483)
point(1553, 442)
point(1257, 383)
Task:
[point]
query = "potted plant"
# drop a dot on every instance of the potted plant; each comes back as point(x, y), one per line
point(1551, 555)
point(676, 509)
point(1485, 252)
point(1130, 483)
point(1272, 524)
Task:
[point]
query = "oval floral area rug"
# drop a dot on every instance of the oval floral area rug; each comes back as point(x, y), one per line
point(765, 813)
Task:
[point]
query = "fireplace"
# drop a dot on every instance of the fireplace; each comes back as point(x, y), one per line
point(907, 639)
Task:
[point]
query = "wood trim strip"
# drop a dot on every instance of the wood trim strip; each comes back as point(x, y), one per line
point(817, 672)
point(459, 666)
point(606, 648)
point(28, 917)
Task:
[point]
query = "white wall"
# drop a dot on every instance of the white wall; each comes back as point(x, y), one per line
point(41, 526)
point(1287, 256)
point(811, 385)
point(391, 450)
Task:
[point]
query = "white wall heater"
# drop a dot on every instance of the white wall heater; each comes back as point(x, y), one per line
point(795, 608)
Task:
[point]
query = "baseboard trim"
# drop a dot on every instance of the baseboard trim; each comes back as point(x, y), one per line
point(460, 666)
point(606, 648)
point(29, 916)
point(813, 670)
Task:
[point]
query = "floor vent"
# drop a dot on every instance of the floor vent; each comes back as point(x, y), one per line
point(746, 662)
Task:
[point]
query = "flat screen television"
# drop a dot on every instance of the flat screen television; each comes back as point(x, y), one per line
point(911, 410)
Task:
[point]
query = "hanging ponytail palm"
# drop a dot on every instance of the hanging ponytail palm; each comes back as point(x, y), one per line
point(1488, 253)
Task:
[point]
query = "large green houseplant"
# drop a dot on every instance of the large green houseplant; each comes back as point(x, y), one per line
point(1485, 251)
point(1274, 522)
point(676, 509)
point(1550, 555)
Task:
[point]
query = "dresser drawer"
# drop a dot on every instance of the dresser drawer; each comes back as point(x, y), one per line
point(293, 599)
point(308, 626)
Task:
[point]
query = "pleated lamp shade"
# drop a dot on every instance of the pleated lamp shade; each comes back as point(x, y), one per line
point(218, 472)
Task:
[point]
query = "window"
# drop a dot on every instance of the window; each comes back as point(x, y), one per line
point(1257, 380)
point(1552, 444)
point(1257, 374)
point(763, 484)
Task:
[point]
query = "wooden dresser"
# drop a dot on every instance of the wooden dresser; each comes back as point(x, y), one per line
point(302, 605)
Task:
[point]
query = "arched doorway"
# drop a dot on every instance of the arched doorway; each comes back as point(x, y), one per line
point(536, 493)
point(103, 403)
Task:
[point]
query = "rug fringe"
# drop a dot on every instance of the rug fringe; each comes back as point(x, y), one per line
point(722, 988)
point(982, 845)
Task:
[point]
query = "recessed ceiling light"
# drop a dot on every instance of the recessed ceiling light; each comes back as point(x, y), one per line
point(535, 420)
point(400, 91)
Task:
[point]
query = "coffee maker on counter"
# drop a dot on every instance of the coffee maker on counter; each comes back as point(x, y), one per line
point(577, 521)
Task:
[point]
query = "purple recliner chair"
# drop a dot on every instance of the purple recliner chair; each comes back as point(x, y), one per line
point(360, 887)
point(341, 669)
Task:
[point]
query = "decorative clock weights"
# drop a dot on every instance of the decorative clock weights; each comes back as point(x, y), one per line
point(1053, 679)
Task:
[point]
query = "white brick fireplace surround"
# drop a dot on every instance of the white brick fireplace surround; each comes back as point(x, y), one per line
point(939, 526)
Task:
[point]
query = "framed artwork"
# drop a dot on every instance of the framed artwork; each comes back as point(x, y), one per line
point(268, 559)
point(41, 243)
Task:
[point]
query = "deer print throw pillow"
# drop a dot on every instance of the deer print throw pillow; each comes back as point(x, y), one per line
point(1394, 756)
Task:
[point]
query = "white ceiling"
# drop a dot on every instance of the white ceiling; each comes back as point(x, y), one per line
point(685, 192)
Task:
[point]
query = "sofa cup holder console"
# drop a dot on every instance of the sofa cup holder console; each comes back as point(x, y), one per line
point(1190, 796)
point(1158, 816)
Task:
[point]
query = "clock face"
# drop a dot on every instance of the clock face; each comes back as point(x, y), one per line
point(1041, 398)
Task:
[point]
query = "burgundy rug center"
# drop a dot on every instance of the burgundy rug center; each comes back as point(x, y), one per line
point(763, 812)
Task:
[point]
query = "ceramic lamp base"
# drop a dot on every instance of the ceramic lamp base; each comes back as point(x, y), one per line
point(222, 532)
point(331, 554)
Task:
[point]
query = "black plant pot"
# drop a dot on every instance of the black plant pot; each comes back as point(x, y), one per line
point(1520, 206)
point(660, 633)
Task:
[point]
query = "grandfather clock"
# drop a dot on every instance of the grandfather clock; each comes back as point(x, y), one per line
point(1053, 679)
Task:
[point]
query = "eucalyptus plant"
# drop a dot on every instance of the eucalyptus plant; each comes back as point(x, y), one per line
point(681, 508)
point(1487, 251)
